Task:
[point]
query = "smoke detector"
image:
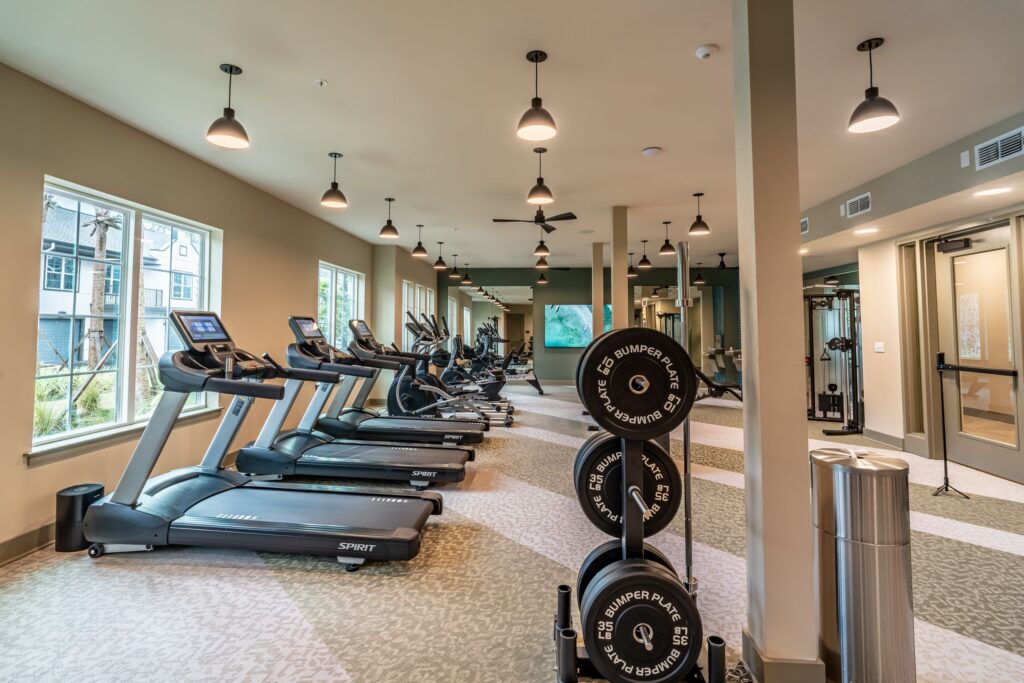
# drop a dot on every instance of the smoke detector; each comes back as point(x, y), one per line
point(706, 51)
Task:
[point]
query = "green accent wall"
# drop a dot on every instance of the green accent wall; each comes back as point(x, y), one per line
point(572, 286)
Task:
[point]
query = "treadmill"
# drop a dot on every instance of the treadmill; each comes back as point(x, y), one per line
point(356, 422)
point(307, 452)
point(209, 505)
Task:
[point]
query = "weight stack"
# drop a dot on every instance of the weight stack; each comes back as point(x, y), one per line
point(72, 503)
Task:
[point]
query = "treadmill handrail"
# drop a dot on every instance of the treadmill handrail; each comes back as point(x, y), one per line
point(237, 387)
point(303, 374)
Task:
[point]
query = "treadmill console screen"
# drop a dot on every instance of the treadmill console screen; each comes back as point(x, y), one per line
point(203, 328)
point(362, 330)
point(309, 329)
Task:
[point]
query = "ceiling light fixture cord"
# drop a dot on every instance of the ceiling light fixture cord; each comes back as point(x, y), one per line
point(335, 158)
point(230, 77)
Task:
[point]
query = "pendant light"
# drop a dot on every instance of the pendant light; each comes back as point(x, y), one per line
point(631, 271)
point(832, 281)
point(419, 251)
point(454, 273)
point(644, 263)
point(389, 231)
point(536, 124)
point(540, 193)
point(699, 280)
point(542, 280)
point(654, 293)
point(334, 198)
point(479, 290)
point(721, 261)
point(226, 131)
point(466, 280)
point(439, 264)
point(875, 112)
point(667, 249)
point(699, 227)
point(542, 263)
point(542, 249)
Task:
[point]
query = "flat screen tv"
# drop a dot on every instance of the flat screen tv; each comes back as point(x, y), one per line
point(571, 326)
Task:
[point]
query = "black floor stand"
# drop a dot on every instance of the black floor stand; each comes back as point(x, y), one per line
point(945, 487)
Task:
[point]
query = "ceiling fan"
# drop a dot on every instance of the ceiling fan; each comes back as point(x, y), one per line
point(540, 219)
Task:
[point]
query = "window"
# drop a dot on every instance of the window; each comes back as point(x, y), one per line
point(452, 319)
point(416, 299)
point(112, 280)
point(467, 325)
point(181, 286)
point(340, 298)
point(93, 370)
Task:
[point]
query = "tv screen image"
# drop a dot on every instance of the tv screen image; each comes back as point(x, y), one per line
point(571, 326)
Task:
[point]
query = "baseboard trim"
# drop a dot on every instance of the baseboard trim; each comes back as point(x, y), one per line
point(20, 546)
point(774, 670)
point(887, 439)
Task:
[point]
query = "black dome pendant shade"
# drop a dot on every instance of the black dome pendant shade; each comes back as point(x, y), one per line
point(439, 264)
point(875, 112)
point(540, 193)
point(644, 263)
point(699, 280)
point(537, 123)
point(419, 251)
point(631, 271)
point(334, 198)
point(454, 273)
point(466, 280)
point(667, 249)
point(721, 260)
point(542, 249)
point(542, 263)
point(226, 131)
point(699, 227)
point(389, 231)
point(542, 280)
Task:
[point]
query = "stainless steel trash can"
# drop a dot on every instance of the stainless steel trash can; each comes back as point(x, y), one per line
point(862, 553)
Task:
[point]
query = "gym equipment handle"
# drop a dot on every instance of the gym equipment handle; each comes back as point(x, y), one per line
point(941, 364)
point(240, 388)
point(301, 374)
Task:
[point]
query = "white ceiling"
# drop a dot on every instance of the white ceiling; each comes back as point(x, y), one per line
point(423, 99)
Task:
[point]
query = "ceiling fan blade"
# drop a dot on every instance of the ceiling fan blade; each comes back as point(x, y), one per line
point(569, 216)
point(548, 228)
point(509, 220)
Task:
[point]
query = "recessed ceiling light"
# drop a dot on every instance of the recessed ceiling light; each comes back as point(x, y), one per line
point(319, 82)
point(651, 151)
point(865, 231)
point(993, 191)
point(805, 250)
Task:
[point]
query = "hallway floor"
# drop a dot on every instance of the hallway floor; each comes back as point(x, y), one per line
point(476, 604)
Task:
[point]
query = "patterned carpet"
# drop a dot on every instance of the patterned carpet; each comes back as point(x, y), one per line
point(476, 604)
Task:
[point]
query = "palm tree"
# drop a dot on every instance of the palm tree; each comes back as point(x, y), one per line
point(101, 224)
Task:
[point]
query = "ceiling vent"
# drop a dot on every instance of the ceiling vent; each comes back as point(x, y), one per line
point(858, 205)
point(805, 226)
point(999, 149)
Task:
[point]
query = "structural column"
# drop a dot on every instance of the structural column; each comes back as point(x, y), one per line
point(780, 639)
point(597, 286)
point(621, 314)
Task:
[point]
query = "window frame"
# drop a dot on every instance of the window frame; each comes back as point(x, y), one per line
point(127, 315)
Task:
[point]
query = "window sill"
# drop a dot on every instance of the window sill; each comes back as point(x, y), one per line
point(74, 446)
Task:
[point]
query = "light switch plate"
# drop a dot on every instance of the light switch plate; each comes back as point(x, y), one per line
point(879, 347)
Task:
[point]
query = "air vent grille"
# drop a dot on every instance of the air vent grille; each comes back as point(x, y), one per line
point(999, 149)
point(805, 226)
point(858, 205)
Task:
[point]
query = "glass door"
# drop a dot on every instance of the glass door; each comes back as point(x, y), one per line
point(979, 327)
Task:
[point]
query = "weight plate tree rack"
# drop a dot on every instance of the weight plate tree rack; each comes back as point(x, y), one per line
point(638, 616)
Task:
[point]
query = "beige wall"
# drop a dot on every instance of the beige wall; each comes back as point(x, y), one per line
point(880, 322)
point(270, 255)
